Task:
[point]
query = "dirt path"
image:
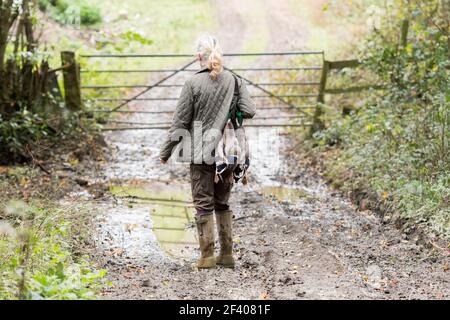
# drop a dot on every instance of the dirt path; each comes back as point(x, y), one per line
point(294, 237)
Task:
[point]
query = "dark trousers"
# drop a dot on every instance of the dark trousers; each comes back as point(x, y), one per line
point(207, 195)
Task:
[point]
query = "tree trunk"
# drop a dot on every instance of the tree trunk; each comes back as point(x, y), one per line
point(7, 18)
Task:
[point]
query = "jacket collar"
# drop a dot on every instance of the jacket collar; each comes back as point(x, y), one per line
point(202, 70)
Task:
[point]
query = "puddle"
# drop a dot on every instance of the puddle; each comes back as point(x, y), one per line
point(265, 145)
point(164, 211)
point(285, 194)
point(128, 232)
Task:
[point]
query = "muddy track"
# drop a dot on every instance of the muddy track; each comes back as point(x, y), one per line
point(294, 237)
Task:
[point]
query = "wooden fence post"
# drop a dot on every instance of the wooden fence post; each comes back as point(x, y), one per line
point(404, 35)
point(318, 124)
point(446, 14)
point(72, 88)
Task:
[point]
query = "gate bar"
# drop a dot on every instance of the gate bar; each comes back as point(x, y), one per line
point(171, 111)
point(312, 95)
point(194, 70)
point(138, 99)
point(308, 95)
point(247, 125)
point(154, 85)
point(266, 91)
point(181, 85)
point(130, 111)
point(191, 55)
point(168, 123)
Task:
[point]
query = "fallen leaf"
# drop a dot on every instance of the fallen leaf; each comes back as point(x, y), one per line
point(73, 162)
point(4, 169)
point(24, 181)
point(264, 296)
point(118, 252)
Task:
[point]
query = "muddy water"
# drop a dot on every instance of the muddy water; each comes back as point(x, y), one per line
point(149, 220)
point(170, 210)
point(284, 194)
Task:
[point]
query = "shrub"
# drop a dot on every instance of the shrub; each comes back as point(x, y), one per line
point(71, 12)
point(37, 260)
point(89, 15)
point(18, 132)
point(397, 144)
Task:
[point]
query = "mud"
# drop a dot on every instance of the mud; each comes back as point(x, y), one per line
point(294, 237)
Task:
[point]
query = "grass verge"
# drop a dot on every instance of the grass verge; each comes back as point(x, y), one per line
point(42, 253)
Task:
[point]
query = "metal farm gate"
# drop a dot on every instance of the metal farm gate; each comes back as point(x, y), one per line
point(291, 92)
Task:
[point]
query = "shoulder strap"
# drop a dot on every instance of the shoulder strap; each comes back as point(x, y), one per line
point(237, 116)
point(236, 85)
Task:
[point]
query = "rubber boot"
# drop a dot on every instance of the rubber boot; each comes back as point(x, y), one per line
point(224, 221)
point(205, 228)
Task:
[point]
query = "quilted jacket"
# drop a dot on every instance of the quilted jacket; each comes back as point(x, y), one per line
point(204, 104)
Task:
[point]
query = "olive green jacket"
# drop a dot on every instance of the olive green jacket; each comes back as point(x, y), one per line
point(204, 104)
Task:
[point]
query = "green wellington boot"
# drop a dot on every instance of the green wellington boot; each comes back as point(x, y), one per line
point(205, 228)
point(224, 221)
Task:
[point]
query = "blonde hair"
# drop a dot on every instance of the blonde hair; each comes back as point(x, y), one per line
point(209, 49)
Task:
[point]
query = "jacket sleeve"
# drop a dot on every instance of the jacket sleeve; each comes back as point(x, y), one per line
point(182, 119)
point(246, 103)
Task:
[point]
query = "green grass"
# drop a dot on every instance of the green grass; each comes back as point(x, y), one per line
point(171, 25)
point(155, 27)
point(335, 27)
point(39, 258)
point(257, 27)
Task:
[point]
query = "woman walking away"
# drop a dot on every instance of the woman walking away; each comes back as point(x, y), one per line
point(200, 118)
